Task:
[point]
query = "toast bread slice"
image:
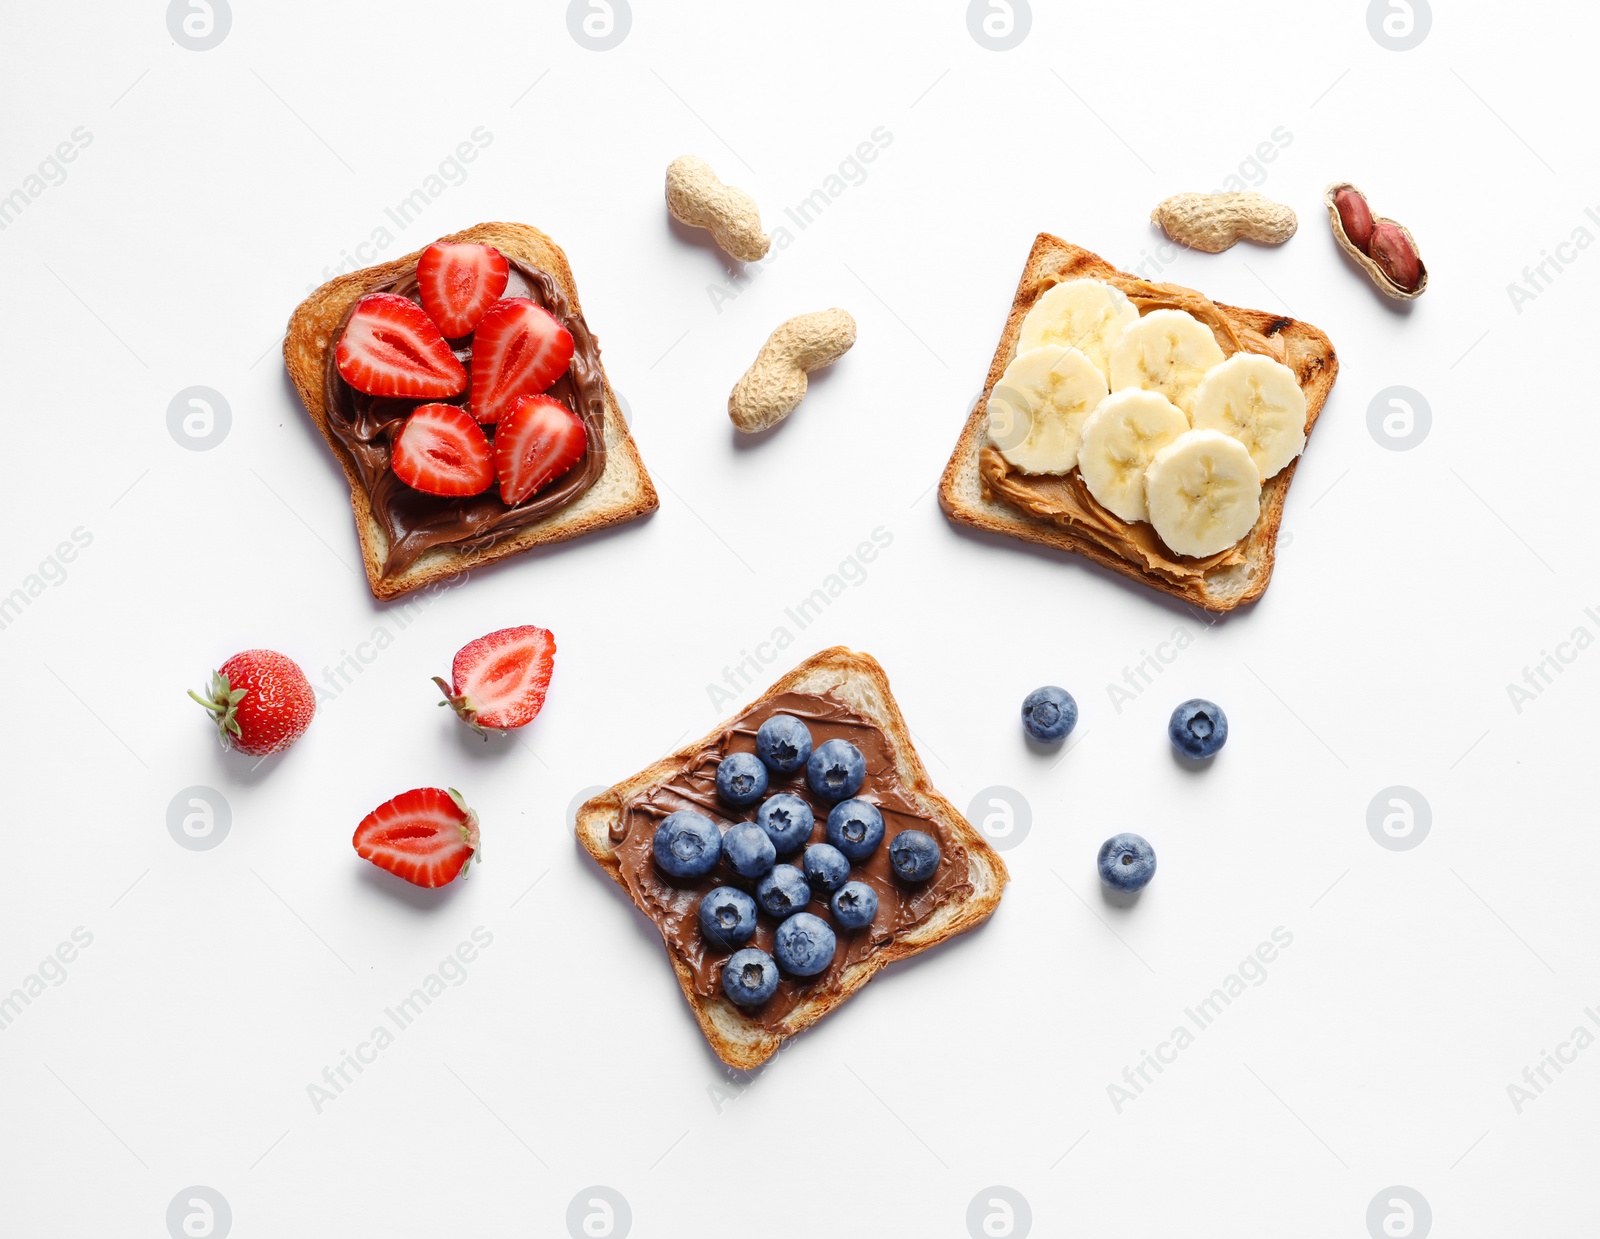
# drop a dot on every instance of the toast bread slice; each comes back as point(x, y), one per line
point(621, 493)
point(858, 681)
point(967, 500)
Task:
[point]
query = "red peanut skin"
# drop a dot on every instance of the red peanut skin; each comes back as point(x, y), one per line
point(1355, 217)
point(1392, 251)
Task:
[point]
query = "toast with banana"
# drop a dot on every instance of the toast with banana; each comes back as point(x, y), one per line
point(1141, 425)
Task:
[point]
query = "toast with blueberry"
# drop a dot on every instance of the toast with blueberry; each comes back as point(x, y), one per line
point(792, 852)
point(1054, 504)
point(462, 393)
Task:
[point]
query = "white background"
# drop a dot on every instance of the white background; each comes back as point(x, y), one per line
point(1412, 588)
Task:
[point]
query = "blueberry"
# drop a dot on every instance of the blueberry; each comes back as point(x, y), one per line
point(687, 845)
point(855, 828)
point(783, 891)
point(1198, 728)
point(783, 743)
point(914, 855)
point(727, 917)
point(1049, 714)
point(804, 944)
point(1126, 862)
point(826, 868)
point(787, 820)
point(749, 977)
point(854, 905)
point(836, 769)
point(748, 851)
point(741, 779)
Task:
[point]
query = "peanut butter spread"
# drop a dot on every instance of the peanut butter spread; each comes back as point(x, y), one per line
point(1064, 498)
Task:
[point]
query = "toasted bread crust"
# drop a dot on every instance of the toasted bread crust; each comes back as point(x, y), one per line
point(622, 493)
point(967, 501)
point(857, 679)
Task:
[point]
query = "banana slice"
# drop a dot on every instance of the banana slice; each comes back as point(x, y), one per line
point(1037, 409)
point(1257, 401)
point(1167, 351)
point(1203, 492)
point(1121, 436)
point(1087, 315)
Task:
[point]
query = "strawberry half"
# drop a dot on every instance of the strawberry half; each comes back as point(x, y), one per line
point(459, 281)
point(500, 680)
point(261, 701)
point(442, 451)
point(391, 348)
point(426, 836)
point(518, 349)
point(537, 441)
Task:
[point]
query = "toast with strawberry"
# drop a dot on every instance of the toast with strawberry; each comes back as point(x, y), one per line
point(462, 392)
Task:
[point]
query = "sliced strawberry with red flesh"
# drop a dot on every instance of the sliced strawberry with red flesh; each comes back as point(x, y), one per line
point(537, 441)
point(500, 680)
point(391, 348)
point(425, 836)
point(459, 282)
point(442, 451)
point(518, 350)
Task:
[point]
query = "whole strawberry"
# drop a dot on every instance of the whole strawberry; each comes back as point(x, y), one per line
point(261, 700)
